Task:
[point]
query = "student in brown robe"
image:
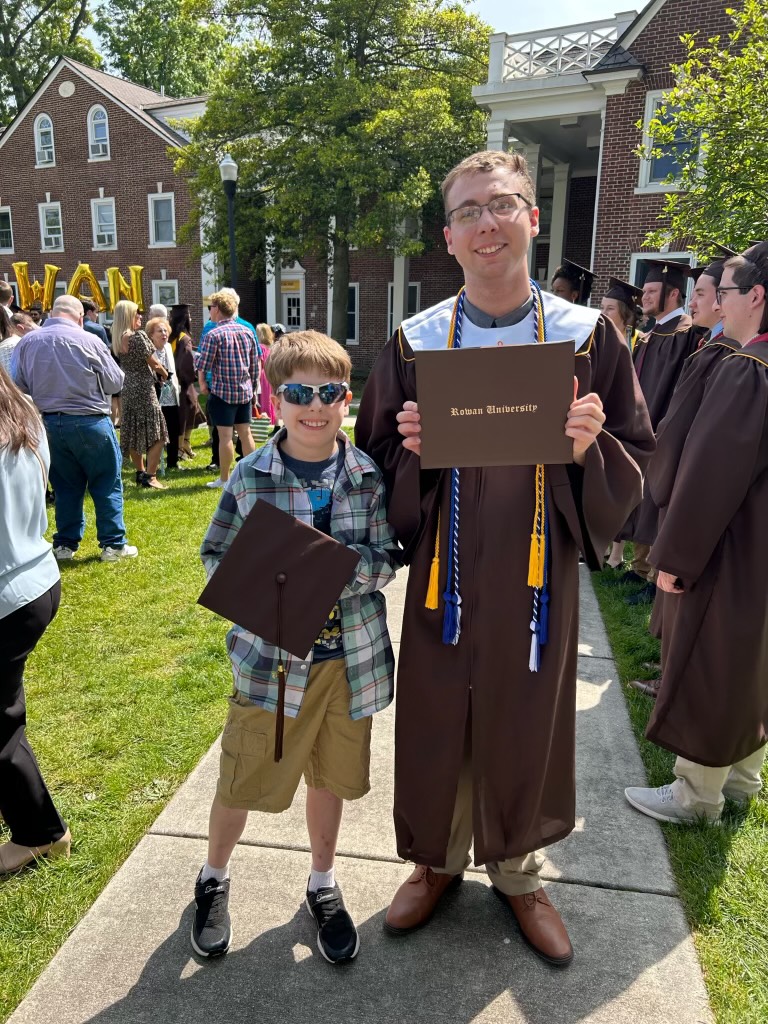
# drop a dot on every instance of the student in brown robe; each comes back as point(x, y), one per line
point(659, 358)
point(711, 554)
point(686, 400)
point(572, 283)
point(484, 740)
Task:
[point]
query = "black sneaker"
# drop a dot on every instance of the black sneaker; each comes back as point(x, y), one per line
point(212, 928)
point(337, 937)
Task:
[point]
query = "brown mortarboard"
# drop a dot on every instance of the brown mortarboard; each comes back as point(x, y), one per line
point(670, 273)
point(580, 278)
point(280, 579)
point(623, 291)
point(180, 307)
point(713, 270)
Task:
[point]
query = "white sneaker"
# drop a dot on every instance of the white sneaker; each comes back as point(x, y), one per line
point(63, 554)
point(115, 554)
point(660, 804)
point(216, 483)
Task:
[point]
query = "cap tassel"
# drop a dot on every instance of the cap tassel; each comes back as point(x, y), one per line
point(433, 589)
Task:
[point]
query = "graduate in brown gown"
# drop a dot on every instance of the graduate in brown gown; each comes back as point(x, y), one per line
point(484, 745)
point(572, 283)
point(686, 400)
point(711, 554)
point(658, 357)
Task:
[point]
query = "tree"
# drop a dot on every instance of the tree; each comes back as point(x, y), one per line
point(32, 37)
point(715, 118)
point(155, 43)
point(343, 117)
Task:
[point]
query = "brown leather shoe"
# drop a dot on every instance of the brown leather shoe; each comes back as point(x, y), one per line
point(417, 898)
point(650, 687)
point(541, 926)
point(14, 857)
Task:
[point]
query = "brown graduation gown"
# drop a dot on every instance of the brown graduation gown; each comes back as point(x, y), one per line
point(522, 723)
point(671, 436)
point(713, 704)
point(658, 357)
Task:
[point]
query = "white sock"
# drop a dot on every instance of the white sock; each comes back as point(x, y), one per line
point(321, 880)
point(218, 873)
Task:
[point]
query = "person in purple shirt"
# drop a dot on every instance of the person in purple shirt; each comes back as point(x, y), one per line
point(70, 376)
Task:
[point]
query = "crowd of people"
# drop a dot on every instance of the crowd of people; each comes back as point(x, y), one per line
point(484, 753)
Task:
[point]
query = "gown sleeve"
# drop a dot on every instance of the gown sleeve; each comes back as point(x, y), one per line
point(411, 491)
point(719, 462)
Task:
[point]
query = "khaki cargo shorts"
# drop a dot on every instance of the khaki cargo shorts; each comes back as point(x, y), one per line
point(323, 743)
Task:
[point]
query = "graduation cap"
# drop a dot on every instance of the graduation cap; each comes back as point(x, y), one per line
point(180, 307)
point(624, 292)
point(282, 589)
point(713, 270)
point(579, 277)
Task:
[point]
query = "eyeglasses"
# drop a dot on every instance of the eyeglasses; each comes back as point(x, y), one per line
point(502, 207)
point(302, 394)
point(733, 288)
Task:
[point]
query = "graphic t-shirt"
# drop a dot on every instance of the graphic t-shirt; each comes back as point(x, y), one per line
point(319, 479)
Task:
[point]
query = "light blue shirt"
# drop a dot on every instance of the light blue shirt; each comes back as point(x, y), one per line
point(27, 566)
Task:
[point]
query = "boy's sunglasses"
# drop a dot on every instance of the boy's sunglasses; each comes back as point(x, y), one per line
point(302, 394)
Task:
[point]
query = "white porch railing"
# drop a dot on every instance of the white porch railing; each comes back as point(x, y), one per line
point(570, 50)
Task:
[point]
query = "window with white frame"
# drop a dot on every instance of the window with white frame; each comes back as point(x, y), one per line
point(98, 134)
point(292, 311)
point(103, 223)
point(664, 167)
point(45, 154)
point(6, 229)
point(162, 219)
point(414, 302)
point(51, 234)
point(166, 293)
point(353, 314)
point(15, 289)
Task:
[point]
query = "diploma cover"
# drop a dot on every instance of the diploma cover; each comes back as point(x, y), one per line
point(500, 406)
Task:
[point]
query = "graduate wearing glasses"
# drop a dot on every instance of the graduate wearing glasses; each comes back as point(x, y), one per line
point(484, 748)
point(711, 555)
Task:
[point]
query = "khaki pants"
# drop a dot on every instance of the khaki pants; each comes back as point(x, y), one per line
point(640, 563)
point(515, 876)
point(700, 789)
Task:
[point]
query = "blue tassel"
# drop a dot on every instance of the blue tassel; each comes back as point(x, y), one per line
point(451, 618)
point(544, 617)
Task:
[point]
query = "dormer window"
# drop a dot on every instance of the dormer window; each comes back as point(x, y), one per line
point(98, 134)
point(45, 155)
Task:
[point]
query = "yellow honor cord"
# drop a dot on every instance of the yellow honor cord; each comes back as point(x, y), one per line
point(433, 591)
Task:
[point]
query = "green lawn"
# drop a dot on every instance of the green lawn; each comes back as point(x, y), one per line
point(721, 871)
point(125, 693)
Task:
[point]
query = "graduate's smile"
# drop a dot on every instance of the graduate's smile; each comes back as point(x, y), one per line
point(490, 250)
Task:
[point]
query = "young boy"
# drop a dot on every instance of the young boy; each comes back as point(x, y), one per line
point(311, 470)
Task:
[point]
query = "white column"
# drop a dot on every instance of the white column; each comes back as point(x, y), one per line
point(400, 270)
point(532, 154)
point(559, 217)
point(497, 135)
point(274, 295)
point(599, 179)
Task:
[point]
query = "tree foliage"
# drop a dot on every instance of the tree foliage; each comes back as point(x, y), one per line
point(32, 36)
point(343, 116)
point(717, 111)
point(156, 43)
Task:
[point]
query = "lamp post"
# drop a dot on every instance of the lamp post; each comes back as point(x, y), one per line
point(228, 172)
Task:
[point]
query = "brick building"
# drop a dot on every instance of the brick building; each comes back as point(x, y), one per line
point(86, 176)
point(571, 100)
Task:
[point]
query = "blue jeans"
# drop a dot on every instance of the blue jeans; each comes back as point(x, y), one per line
point(85, 453)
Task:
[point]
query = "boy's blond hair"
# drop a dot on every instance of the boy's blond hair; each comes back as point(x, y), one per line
point(303, 351)
point(486, 162)
point(225, 302)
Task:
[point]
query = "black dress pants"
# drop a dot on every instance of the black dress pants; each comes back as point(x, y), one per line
point(25, 802)
point(171, 414)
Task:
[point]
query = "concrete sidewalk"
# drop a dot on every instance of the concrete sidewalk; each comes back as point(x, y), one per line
point(129, 960)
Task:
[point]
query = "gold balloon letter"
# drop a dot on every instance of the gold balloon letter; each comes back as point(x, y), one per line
point(33, 291)
point(120, 289)
point(84, 275)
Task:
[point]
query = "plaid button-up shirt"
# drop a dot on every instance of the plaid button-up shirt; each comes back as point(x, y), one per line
point(228, 351)
point(359, 520)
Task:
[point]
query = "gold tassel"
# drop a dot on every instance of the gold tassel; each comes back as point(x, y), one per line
point(433, 592)
point(535, 563)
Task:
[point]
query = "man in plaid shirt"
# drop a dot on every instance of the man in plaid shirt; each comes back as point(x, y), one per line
point(313, 472)
point(228, 352)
